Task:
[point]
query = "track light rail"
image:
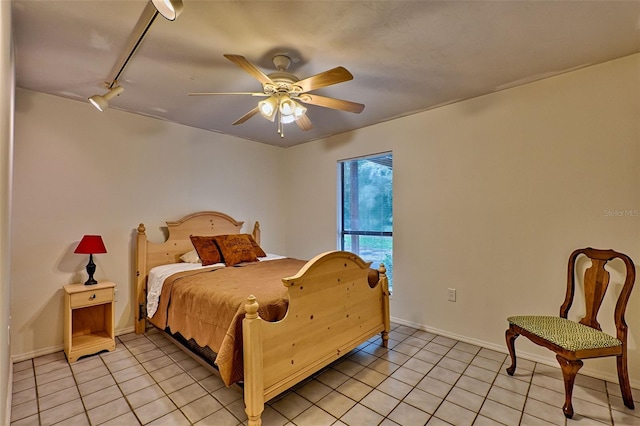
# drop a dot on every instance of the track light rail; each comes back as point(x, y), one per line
point(170, 9)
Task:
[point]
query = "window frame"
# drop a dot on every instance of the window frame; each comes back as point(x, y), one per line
point(341, 232)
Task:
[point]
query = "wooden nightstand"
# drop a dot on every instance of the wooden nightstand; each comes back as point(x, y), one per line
point(89, 319)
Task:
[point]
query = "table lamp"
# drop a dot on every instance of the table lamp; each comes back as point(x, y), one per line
point(91, 244)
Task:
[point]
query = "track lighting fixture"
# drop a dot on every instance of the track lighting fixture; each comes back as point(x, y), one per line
point(170, 9)
point(102, 102)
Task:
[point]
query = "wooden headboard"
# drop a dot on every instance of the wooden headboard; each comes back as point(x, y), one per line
point(150, 255)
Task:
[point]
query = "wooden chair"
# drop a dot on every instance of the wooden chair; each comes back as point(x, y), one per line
point(573, 341)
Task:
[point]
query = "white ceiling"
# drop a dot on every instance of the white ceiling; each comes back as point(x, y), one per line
point(406, 56)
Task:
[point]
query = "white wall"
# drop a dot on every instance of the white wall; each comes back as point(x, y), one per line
point(491, 195)
point(6, 161)
point(79, 171)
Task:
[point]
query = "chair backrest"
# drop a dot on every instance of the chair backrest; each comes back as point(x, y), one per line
point(596, 282)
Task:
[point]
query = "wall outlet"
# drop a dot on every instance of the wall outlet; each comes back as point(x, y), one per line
point(451, 295)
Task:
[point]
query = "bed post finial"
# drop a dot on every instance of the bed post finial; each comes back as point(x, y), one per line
point(382, 269)
point(256, 232)
point(141, 228)
point(251, 307)
point(384, 282)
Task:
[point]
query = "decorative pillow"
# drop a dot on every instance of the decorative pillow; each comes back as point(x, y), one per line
point(235, 248)
point(191, 257)
point(207, 249)
point(256, 246)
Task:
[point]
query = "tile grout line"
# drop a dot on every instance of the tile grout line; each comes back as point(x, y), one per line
point(118, 384)
point(395, 358)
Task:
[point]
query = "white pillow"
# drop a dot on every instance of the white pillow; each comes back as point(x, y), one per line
point(190, 257)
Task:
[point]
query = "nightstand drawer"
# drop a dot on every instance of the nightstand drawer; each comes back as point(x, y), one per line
point(88, 298)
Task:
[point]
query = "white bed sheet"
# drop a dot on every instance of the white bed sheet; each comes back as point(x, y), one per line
point(159, 274)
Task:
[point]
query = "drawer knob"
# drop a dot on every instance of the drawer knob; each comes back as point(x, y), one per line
point(93, 296)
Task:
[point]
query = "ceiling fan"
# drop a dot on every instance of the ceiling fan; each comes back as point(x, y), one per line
point(284, 91)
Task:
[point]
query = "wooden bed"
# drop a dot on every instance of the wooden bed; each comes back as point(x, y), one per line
point(332, 309)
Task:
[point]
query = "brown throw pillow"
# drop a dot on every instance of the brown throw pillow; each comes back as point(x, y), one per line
point(256, 246)
point(235, 248)
point(207, 249)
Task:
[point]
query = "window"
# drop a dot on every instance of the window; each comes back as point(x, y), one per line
point(366, 209)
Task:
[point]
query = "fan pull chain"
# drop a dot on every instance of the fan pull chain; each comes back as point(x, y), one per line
point(280, 125)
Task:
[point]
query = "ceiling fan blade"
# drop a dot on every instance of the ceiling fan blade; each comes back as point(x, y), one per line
point(226, 93)
point(333, 103)
point(326, 78)
point(304, 123)
point(246, 116)
point(242, 62)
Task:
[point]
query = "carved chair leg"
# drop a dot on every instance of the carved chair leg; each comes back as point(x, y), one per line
point(569, 371)
point(511, 336)
point(623, 379)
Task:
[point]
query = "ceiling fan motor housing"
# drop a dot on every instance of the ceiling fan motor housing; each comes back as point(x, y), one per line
point(283, 82)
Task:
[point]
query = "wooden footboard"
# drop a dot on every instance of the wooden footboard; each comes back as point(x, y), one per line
point(332, 310)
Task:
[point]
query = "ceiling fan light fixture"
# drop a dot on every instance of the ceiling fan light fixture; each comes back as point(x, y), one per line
point(299, 110)
point(268, 108)
point(286, 119)
point(101, 102)
point(169, 9)
point(287, 105)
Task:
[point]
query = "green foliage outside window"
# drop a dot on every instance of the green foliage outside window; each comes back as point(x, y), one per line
point(367, 209)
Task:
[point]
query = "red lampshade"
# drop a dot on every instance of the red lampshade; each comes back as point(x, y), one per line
point(91, 244)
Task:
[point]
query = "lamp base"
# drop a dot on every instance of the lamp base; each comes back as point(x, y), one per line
point(91, 269)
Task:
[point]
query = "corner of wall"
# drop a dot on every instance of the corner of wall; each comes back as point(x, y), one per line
point(7, 90)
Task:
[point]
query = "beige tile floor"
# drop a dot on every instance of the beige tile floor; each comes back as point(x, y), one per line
point(421, 379)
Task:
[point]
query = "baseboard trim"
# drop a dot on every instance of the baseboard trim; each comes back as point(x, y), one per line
point(57, 348)
point(550, 360)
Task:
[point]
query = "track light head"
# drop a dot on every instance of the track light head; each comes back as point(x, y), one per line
point(170, 9)
point(101, 102)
